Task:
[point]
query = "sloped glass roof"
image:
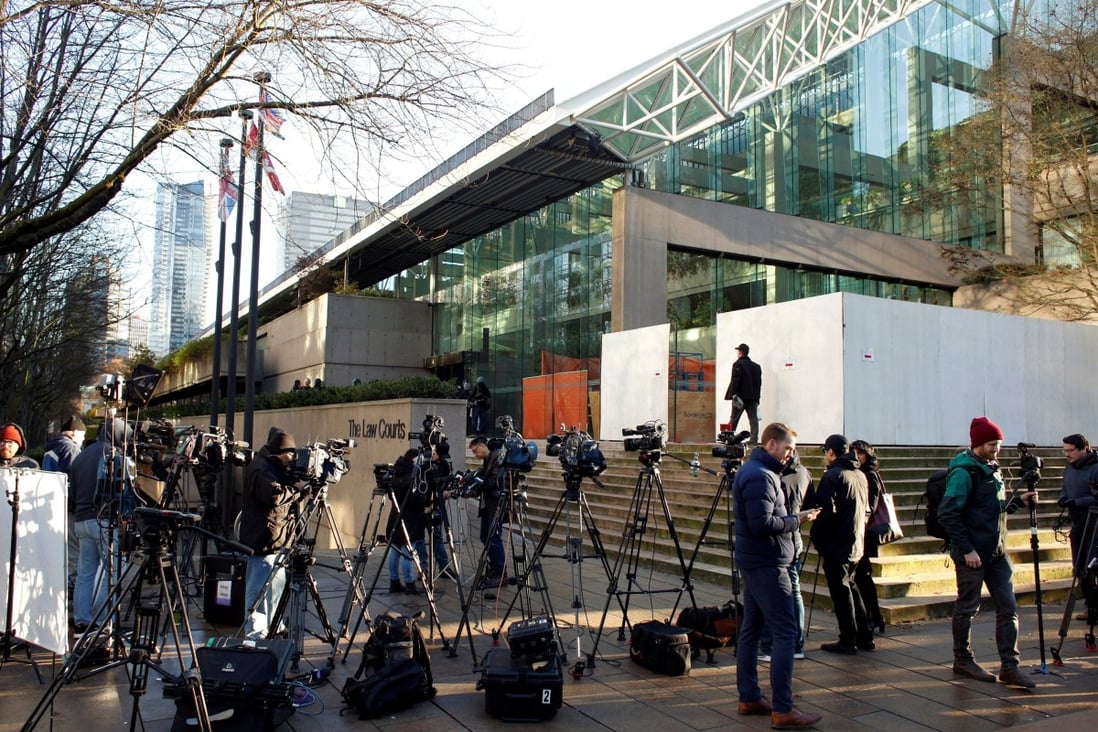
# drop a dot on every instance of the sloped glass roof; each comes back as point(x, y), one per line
point(709, 81)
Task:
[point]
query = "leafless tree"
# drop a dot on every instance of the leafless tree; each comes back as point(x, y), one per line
point(92, 89)
point(55, 319)
point(1038, 139)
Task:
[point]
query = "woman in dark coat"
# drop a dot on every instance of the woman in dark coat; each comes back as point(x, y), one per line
point(863, 571)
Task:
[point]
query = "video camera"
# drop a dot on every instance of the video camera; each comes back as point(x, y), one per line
point(432, 433)
point(578, 452)
point(464, 484)
point(1030, 464)
point(731, 447)
point(647, 436)
point(322, 462)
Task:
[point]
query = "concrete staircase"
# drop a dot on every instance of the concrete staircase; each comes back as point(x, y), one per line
point(915, 580)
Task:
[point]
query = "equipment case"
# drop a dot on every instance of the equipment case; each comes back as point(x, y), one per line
point(242, 682)
point(661, 647)
point(517, 692)
point(223, 588)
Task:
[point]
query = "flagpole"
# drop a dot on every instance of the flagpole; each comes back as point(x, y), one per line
point(229, 506)
point(219, 268)
point(262, 78)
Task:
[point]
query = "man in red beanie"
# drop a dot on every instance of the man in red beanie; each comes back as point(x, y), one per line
point(973, 512)
point(12, 446)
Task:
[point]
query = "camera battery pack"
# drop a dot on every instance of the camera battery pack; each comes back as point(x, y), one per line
point(518, 692)
point(532, 639)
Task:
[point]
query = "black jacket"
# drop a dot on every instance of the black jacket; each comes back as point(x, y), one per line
point(842, 495)
point(410, 495)
point(797, 483)
point(265, 522)
point(746, 381)
point(84, 470)
point(873, 477)
point(1080, 481)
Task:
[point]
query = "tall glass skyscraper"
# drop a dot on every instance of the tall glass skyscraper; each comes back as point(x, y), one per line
point(180, 268)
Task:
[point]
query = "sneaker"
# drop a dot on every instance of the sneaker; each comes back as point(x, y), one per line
point(798, 655)
point(395, 586)
point(764, 658)
point(1014, 677)
point(410, 588)
point(492, 581)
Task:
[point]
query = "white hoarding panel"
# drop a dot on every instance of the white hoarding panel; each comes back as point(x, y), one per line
point(634, 379)
point(798, 345)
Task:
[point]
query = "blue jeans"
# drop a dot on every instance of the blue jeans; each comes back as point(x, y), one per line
point(260, 566)
point(400, 565)
point(91, 568)
point(767, 599)
point(766, 638)
point(998, 575)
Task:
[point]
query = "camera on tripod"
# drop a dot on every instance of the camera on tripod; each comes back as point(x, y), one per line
point(732, 445)
point(432, 433)
point(322, 462)
point(578, 452)
point(647, 436)
point(158, 527)
point(464, 484)
point(1030, 464)
point(518, 454)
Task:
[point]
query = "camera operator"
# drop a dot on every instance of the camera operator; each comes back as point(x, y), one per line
point(1077, 493)
point(493, 488)
point(408, 505)
point(266, 526)
point(90, 527)
point(441, 469)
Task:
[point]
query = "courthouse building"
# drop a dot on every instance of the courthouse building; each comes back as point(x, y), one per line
point(786, 154)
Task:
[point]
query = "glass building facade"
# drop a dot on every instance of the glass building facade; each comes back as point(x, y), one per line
point(854, 142)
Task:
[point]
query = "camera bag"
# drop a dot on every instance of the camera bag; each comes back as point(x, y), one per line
point(711, 627)
point(661, 647)
point(395, 671)
point(515, 691)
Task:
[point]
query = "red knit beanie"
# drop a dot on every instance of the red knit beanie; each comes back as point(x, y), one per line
point(11, 432)
point(983, 430)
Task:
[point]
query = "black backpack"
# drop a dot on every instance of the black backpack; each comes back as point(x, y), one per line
point(935, 491)
point(395, 671)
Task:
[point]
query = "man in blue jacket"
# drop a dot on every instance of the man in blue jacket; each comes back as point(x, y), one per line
point(764, 552)
point(973, 512)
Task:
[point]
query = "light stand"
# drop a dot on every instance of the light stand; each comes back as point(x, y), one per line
point(8, 640)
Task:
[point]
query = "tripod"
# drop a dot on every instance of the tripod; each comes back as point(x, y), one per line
point(152, 564)
point(8, 641)
point(1085, 573)
point(636, 526)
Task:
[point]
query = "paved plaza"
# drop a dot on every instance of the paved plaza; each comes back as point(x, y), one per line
point(906, 684)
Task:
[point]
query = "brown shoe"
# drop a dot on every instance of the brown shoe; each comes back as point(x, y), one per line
point(972, 670)
point(760, 706)
point(793, 719)
point(1014, 677)
point(1082, 616)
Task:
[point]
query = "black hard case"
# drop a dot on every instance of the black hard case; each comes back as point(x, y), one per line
point(518, 692)
point(532, 639)
point(245, 676)
point(220, 572)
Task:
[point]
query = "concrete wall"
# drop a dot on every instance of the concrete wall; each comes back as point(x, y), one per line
point(342, 337)
point(646, 222)
point(381, 431)
point(898, 373)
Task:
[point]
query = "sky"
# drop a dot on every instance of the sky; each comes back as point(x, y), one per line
point(570, 46)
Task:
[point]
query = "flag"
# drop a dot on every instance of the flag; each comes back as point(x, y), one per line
point(272, 117)
point(227, 191)
point(272, 176)
point(251, 142)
